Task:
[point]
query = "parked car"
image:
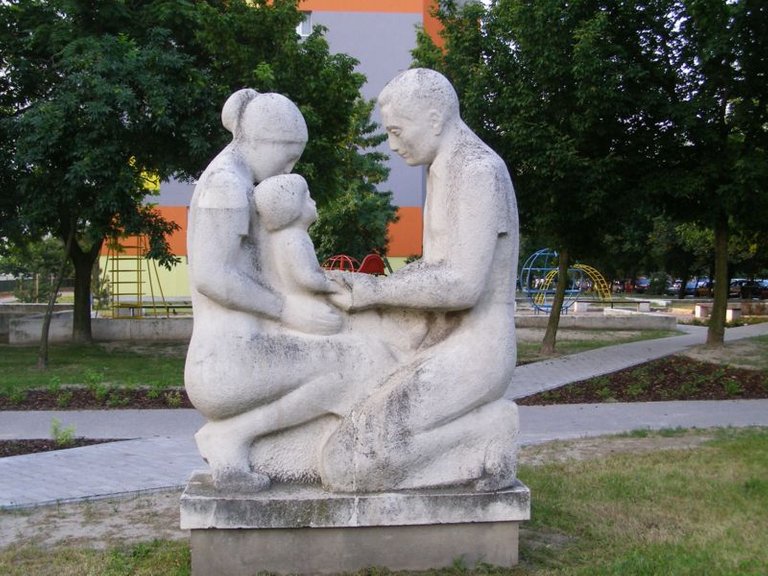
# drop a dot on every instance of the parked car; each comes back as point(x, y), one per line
point(698, 287)
point(754, 290)
point(704, 288)
point(734, 290)
point(673, 287)
point(642, 284)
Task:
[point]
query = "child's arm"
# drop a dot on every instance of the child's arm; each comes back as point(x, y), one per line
point(299, 262)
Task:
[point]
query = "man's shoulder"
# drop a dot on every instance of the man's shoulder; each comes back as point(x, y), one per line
point(484, 169)
point(475, 157)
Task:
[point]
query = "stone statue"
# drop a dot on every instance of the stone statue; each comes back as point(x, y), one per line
point(260, 359)
point(363, 383)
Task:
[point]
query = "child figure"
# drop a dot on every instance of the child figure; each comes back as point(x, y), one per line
point(286, 211)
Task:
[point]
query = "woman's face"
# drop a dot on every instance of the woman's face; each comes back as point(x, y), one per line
point(269, 158)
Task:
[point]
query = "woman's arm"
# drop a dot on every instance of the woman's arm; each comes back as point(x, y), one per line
point(216, 253)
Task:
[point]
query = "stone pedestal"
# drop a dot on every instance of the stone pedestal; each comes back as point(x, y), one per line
point(306, 530)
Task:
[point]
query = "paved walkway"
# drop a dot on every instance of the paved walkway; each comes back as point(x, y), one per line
point(159, 452)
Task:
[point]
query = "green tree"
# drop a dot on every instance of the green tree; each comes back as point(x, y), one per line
point(35, 266)
point(355, 221)
point(91, 103)
point(560, 90)
point(340, 165)
point(721, 114)
point(96, 95)
point(681, 249)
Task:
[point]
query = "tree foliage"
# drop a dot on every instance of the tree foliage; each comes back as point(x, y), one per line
point(96, 95)
point(609, 113)
point(722, 115)
point(355, 222)
point(560, 90)
point(34, 265)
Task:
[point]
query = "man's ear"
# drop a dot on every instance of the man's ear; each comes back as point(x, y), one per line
point(436, 121)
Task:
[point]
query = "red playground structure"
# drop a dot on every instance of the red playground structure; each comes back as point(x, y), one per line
point(371, 264)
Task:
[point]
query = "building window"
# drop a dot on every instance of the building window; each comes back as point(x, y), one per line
point(304, 29)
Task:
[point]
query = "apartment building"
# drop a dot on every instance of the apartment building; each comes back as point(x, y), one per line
point(379, 34)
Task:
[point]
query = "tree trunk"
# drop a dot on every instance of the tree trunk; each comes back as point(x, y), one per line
point(83, 261)
point(716, 331)
point(42, 355)
point(683, 284)
point(550, 336)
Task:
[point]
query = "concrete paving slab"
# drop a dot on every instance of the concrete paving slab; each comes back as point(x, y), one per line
point(92, 472)
point(569, 421)
point(122, 424)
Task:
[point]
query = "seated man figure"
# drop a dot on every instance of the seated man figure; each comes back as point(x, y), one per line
point(440, 419)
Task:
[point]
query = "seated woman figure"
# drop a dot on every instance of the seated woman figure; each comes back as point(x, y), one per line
point(266, 353)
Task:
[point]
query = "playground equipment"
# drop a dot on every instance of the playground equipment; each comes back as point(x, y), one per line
point(133, 279)
point(539, 277)
point(371, 264)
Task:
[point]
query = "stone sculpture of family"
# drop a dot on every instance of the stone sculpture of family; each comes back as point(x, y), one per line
point(359, 382)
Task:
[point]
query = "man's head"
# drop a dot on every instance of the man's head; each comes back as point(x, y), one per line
point(417, 107)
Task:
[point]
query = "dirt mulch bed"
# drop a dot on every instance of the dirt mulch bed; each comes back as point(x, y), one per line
point(18, 447)
point(673, 378)
point(81, 398)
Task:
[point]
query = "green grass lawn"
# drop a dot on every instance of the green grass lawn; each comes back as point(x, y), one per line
point(687, 512)
point(528, 351)
point(691, 512)
point(159, 366)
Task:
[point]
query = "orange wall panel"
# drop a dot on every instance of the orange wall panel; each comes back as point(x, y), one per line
point(362, 5)
point(177, 240)
point(405, 235)
point(432, 25)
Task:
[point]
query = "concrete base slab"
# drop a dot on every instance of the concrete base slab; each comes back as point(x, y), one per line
point(291, 529)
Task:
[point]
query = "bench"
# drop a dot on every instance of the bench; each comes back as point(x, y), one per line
point(639, 305)
point(704, 310)
point(136, 309)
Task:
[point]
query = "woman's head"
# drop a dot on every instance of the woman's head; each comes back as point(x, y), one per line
point(282, 200)
point(268, 130)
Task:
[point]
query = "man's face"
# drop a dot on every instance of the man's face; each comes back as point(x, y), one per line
point(411, 135)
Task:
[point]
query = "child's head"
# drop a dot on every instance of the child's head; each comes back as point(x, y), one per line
point(281, 200)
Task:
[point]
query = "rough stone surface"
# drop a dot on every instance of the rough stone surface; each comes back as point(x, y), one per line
point(292, 506)
point(306, 530)
point(348, 550)
point(358, 382)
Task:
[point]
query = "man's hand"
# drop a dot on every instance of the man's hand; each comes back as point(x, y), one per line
point(311, 317)
point(341, 297)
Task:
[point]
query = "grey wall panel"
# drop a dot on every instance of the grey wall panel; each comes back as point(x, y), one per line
point(382, 43)
point(173, 193)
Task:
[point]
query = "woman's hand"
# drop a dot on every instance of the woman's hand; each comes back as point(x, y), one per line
point(310, 316)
